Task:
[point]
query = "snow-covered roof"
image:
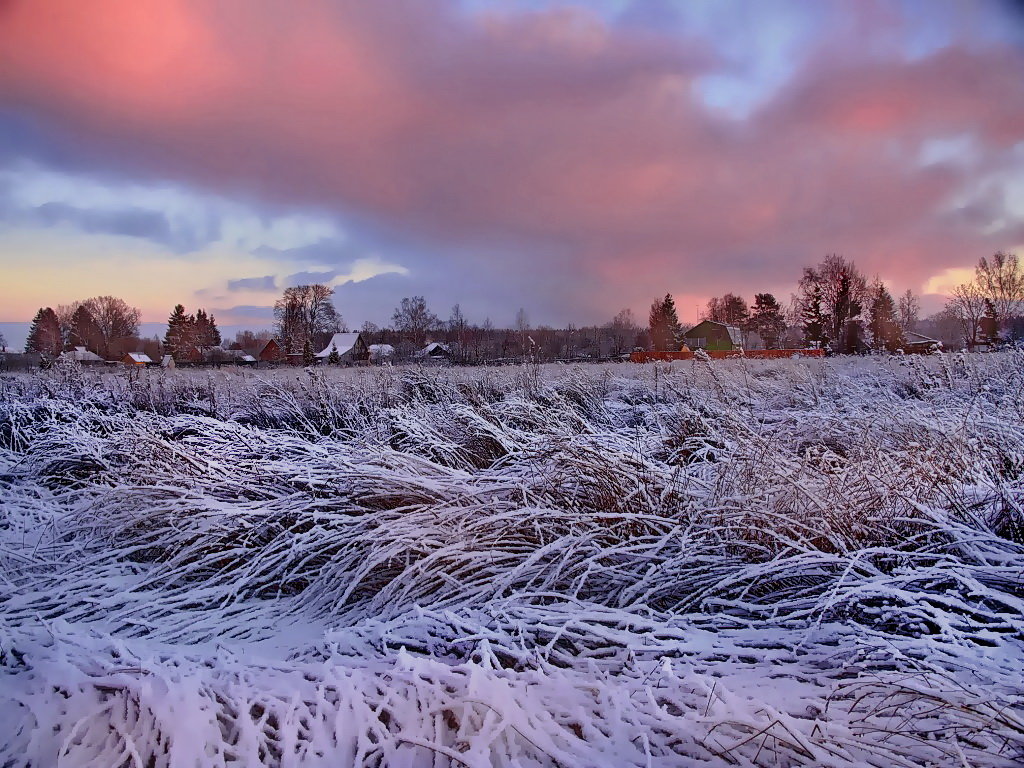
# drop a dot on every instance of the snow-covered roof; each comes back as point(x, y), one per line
point(83, 355)
point(381, 350)
point(434, 348)
point(916, 338)
point(343, 342)
point(138, 358)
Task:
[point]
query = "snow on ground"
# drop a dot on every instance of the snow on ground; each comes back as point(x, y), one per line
point(791, 563)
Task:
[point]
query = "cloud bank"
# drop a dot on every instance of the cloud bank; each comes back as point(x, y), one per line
point(568, 161)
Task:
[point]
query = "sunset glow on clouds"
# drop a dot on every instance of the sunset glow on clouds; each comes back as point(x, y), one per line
point(572, 160)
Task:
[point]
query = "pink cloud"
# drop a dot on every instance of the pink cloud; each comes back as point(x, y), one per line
point(577, 140)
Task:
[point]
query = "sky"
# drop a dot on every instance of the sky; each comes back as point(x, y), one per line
point(572, 159)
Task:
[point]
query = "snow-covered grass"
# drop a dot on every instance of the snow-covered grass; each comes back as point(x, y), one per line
point(813, 563)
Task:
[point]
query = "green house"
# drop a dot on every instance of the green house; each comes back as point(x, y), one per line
point(715, 337)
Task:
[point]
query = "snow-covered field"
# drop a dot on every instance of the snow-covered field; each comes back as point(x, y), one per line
point(777, 563)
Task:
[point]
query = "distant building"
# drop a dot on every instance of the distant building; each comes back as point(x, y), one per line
point(219, 355)
point(919, 344)
point(381, 353)
point(271, 352)
point(83, 356)
point(712, 336)
point(136, 358)
point(350, 347)
point(435, 351)
point(188, 356)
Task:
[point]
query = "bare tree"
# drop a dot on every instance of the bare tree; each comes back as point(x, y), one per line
point(413, 320)
point(113, 316)
point(1001, 280)
point(305, 313)
point(65, 314)
point(843, 293)
point(457, 321)
point(457, 327)
point(908, 311)
point(622, 331)
point(729, 309)
point(967, 304)
point(82, 330)
point(251, 341)
point(523, 327)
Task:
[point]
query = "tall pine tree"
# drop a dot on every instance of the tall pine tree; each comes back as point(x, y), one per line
point(44, 336)
point(812, 317)
point(884, 324)
point(205, 330)
point(666, 335)
point(767, 321)
point(180, 336)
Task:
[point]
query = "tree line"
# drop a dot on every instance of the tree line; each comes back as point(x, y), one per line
point(835, 306)
point(105, 325)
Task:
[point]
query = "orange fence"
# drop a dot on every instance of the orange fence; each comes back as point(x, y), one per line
point(753, 354)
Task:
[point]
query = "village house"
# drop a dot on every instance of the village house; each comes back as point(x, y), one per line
point(136, 358)
point(83, 356)
point(271, 352)
point(350, 348)
point(221, 356)
point(714, 337)
point(916, 343)
point(381, 353)
point(435, 350)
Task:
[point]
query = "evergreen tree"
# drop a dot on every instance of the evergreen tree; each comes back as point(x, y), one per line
point(767, 320)
point(307, 353)
point(666, 334)
point(44, 336)
point(180, 336)
point(213, 332)
point(205, 330)
point(672, 321)
point(884, 325)
point(334, 358)
point(813, 319)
